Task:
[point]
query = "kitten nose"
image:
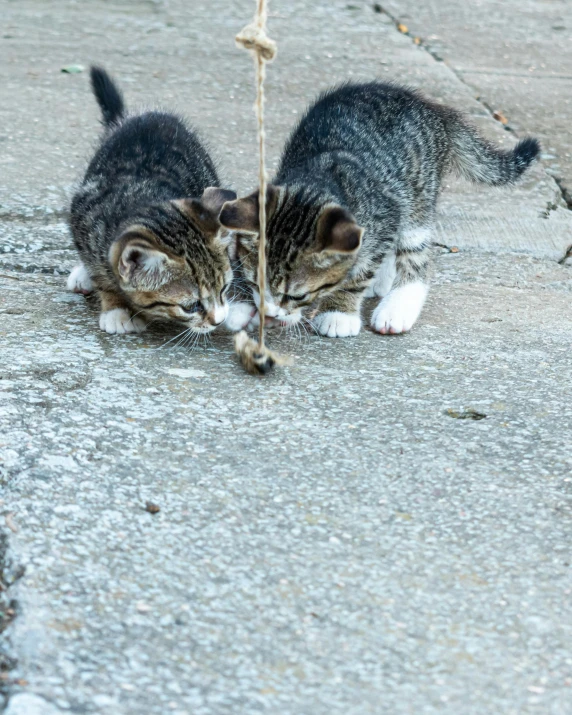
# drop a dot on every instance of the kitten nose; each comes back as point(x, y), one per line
point(271, 310)
point(218, 314)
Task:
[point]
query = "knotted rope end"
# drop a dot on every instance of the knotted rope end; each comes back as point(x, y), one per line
point(254, 38)
point(256, 359)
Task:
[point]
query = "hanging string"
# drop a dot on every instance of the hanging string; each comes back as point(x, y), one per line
point(257, 358)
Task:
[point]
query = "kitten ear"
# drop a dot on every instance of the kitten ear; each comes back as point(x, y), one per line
point(139, 262)
point(337, 231)
point(242, 214)
point(214, 197)
point(200, 214)
point(204, 211)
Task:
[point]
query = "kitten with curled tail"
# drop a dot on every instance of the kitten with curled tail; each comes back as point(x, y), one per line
point(145, 222)
point(352, 207)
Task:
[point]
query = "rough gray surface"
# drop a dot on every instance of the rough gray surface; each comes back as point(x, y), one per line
point(330, 539)
point(29, 704)
point(517, 56)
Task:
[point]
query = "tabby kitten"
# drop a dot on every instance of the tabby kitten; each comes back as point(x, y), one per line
point(148, 248)
point(351, 209)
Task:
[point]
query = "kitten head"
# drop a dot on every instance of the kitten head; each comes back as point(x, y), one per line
point(311, 246)
point(172, 261)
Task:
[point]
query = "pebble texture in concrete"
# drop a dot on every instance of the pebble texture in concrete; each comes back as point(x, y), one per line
point(336, 537)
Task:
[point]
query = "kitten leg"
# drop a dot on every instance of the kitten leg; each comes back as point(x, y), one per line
point(79, 280)
point(339, 315)
point(401, 307)
point(116, 318)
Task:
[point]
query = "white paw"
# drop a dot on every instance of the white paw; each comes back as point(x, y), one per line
point(337, 325)
point(399, 310)
point(119, 321)
point(239, 316)
point(79, 280)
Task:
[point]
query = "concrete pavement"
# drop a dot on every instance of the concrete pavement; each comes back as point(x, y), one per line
point(332, 538)
point(516, 56)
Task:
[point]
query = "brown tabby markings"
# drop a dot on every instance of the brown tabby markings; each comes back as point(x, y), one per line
point(148, 250)
point(352, 205)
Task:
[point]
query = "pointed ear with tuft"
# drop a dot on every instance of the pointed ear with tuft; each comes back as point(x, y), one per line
point(200, 214)
point(214, 197)
point(139, 262)
point(203, 213)
point(337, 232)
point(242, 214)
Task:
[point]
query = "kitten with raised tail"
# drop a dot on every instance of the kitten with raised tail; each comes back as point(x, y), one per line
point(352, 207)
point(145, 222)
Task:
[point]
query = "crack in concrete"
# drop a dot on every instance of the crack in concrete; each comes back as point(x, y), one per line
point(563, 193)
point(33, 278)
point(566, 195)
point(45, 215)
point(33, 269)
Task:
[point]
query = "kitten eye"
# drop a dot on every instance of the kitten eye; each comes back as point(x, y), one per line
point(224, 289)
point(190, 309)
point(326, 286)
point(296, 298)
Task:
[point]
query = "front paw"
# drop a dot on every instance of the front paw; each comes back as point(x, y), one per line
point(119, 321)
point(399, 310)
point(337, 325)
point(79, 280)
point(240, 315)
point(390, 320)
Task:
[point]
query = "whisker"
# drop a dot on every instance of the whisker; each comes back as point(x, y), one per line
point(171, 340)
point(138, 313)
point(297, 331)
point(308, 326)
point(304, 328)
point(181, 337)
point(303, 332)
point(191, 340)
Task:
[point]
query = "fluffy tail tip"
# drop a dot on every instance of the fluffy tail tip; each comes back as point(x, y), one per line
point(99, 78)
point(526, 151)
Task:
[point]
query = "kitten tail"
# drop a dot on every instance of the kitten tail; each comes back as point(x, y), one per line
point(108, 96)
point(478, 160)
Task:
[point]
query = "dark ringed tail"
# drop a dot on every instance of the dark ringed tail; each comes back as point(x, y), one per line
point(480, 161)
point(108, 96)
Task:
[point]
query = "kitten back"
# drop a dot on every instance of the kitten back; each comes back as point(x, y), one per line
point(108, 96)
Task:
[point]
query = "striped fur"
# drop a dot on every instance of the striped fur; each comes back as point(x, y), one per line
point(377, 153)
point(148, 247)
